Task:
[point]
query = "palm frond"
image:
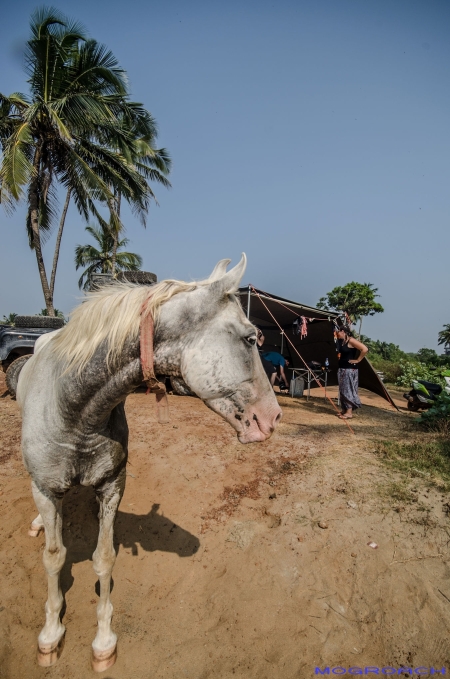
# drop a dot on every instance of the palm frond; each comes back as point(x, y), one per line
point(42, 18)
point(17, 169)
point(48, 207)
point(85, 278)
point(96, 69)
point(86, 255)
point(128, 261)
point(6, 198)
point(99, 259)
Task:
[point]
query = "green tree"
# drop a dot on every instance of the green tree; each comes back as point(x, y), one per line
point(78, 127)
point(428, 356)
point(357, 300)
point(444, 336)
point(100, 259)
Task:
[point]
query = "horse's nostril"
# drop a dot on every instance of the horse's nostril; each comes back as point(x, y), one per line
point(278, 418)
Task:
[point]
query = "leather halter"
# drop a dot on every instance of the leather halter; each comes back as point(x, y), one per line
point(146, 334)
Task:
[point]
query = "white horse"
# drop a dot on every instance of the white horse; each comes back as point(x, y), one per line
point(72, 394)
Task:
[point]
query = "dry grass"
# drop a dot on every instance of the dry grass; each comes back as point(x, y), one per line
point(426, 457)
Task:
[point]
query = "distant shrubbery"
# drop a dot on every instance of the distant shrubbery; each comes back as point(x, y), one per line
point(400, 368)
point(414, 370)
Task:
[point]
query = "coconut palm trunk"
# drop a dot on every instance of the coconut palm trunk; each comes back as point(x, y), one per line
point(58, 243)
point(116, 204)
point(34, 221)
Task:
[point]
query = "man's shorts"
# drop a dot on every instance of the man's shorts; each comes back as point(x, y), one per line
point(268, 367)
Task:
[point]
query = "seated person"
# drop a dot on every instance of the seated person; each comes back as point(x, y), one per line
point(280, 362)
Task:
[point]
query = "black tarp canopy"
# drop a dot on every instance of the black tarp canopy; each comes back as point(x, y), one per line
point(317, 346)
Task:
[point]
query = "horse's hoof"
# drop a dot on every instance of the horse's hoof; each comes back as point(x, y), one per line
point(35, 529)
point(102, 660)
point(48, 655)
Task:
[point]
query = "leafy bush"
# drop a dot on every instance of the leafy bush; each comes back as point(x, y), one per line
point(401, 368)
point(437, 418)
point(385, 357)
point(391, 370)
point(412, 370)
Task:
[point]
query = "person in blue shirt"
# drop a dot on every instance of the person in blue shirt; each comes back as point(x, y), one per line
point(270, 369)
point(279, 362)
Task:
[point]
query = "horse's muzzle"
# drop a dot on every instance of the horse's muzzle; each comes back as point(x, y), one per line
point(260, 427)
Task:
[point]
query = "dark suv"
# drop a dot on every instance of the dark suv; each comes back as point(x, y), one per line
point(17, 343)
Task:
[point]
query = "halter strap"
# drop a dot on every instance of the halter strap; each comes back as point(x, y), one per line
point(154, 386)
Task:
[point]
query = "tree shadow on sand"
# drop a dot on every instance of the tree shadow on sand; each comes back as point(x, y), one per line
point(152, 531)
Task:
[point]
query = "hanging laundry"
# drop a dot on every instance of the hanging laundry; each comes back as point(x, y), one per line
point(300, 326)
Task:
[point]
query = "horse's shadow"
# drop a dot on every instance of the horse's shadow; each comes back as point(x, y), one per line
point(152, 531)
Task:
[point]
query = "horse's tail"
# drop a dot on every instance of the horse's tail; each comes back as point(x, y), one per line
point(13, 372)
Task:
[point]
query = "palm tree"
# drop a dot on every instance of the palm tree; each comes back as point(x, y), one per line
point(75, 129)
point(9, 319)
point(152, 164)
point(444, 336)
point(100, 260)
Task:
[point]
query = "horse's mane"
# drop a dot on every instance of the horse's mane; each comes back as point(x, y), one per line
point(112, 314)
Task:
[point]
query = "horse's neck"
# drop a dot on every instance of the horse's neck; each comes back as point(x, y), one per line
point(100, 389)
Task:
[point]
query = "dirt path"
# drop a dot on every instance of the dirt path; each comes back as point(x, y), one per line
point(222, 568)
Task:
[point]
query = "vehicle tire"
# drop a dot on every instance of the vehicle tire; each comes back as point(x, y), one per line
point(13, 372)
point(413, 407)
point(38, 322)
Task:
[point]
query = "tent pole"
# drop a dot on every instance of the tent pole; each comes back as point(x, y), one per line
point(282, 337)
point(248, 303)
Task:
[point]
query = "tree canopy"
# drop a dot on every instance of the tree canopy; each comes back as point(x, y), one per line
point(357, 300)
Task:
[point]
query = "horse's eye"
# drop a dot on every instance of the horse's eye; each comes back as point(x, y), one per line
point(251, 340)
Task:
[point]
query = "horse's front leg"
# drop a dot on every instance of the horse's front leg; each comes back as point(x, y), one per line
point(49, 640)
point(104, 644)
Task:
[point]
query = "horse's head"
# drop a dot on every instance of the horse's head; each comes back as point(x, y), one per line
point(205, 338)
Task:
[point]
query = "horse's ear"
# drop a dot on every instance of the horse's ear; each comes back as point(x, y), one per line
point(219, 270)
point(229, 282)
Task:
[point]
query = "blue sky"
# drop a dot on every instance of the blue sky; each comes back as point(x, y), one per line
point(311, 135)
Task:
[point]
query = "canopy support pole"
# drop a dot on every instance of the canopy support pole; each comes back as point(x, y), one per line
point(248, 303)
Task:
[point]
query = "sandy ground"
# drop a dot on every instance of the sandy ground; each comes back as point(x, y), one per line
point(222, 568)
